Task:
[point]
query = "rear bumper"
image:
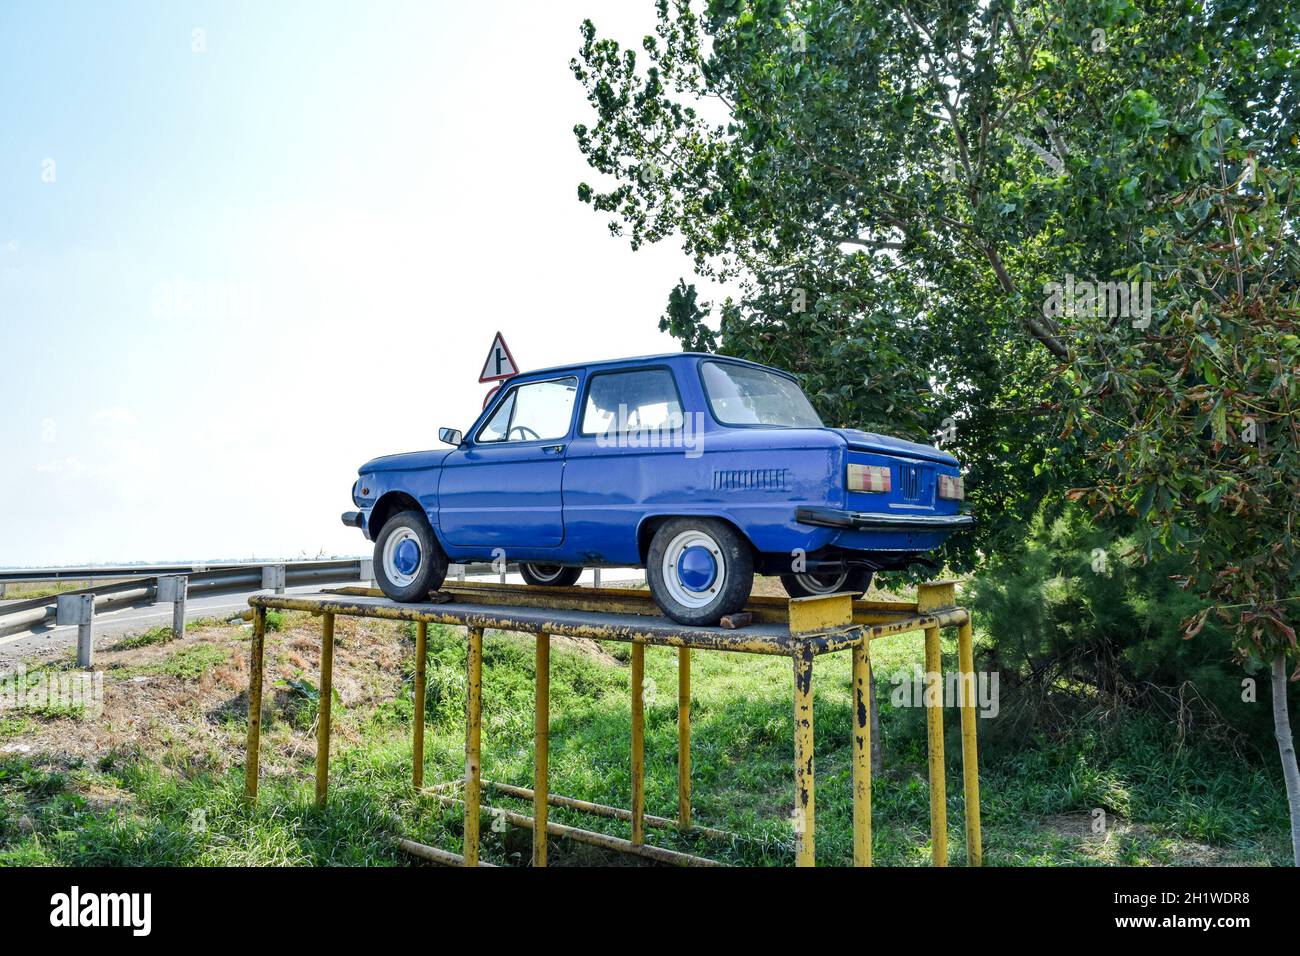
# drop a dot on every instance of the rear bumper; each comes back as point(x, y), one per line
point(875, 521)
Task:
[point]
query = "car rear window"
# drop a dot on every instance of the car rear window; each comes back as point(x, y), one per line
point(644, 398)
point(744, 395)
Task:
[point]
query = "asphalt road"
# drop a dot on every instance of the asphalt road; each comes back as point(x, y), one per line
point(45, 643)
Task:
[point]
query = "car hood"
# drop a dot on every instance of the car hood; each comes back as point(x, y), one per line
point(405, 461)
point(886, 445)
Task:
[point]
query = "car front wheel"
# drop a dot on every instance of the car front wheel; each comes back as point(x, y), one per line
point(550, 575)
point(855, 581)
point(699, 570)
point(409, 562)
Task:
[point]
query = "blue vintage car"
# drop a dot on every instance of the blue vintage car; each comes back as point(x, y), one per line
point(702, 469)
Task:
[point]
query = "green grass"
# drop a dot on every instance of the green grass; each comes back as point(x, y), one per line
point(1167, 804)
point(163, 633)
point(155, 635)
point(188, 663)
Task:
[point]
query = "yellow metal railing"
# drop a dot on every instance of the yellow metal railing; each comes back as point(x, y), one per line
point(801, 629)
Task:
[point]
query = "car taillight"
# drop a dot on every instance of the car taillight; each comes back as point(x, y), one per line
point(951, 487)
point(869, 478)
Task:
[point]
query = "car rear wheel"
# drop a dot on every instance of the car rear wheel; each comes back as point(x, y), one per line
point(409, 562)
point(550, 575)
point(699, 570)
point(853, 580)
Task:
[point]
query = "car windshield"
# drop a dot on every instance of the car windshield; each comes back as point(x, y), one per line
point(744, 395)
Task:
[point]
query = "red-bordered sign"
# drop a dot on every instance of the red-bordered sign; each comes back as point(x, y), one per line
point(500, 363)
point(491, 395)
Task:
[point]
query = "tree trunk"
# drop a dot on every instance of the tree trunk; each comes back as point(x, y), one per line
point(1286, 748)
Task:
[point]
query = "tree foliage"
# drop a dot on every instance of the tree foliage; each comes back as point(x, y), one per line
point(1197, 424)
point(894, 184)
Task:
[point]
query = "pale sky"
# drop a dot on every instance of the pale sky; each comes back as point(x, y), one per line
point(237, 263)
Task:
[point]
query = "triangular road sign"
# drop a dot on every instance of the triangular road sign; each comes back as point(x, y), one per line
point(500, 363)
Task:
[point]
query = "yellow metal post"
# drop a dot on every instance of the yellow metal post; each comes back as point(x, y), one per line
point(323, 715)
point(934, 596)
point(473, 731)
point(421, 677)
point(934, 739)
point(684, 738)
point(256, 652)
point(804, 806)
point(809, 615)
point(541, 754)
point(638, 744)
point(862, 754)
point(970, 770)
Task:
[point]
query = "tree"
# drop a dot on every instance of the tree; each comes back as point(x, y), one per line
point(1208, 457)
point(931, 206)
point(915, 173)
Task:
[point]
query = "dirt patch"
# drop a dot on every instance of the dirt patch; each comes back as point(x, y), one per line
point(188, 698)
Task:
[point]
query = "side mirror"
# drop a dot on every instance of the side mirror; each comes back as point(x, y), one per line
point(451, 436)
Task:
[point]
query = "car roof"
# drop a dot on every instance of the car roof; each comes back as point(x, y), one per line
point(641, 360)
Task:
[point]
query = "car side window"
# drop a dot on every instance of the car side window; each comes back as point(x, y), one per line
point(537, 411)
point(626, 401)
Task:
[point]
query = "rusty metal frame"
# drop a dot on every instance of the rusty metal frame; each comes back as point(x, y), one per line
point(801, 629)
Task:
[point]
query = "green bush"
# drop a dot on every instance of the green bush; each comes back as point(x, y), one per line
point(1078, 623)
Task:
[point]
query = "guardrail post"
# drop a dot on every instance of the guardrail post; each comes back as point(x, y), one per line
point(79, 609)
point(595, 577)
point(174, 588)
point(4, 589)
point(273, 577)
point(366, 571)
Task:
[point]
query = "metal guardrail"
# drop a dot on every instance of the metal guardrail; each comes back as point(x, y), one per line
point(115, 573)
point(78, 606)
point(145, 585)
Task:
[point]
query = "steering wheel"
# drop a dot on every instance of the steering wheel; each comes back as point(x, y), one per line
point(522, 429)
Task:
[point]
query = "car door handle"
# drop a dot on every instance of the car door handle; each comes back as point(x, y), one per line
point(552, 449)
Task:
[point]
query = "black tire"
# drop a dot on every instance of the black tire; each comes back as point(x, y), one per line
point(400, 580)
point(853, 580)
point(550, 575)
point(732, 565)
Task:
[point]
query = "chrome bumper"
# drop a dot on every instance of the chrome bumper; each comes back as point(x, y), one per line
point(876, 521)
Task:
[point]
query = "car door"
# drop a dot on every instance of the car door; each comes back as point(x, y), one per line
point(630, 455)
point(503, 488)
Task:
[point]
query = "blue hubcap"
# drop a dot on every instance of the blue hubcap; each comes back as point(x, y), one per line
point(697, 569)
point(407, 558)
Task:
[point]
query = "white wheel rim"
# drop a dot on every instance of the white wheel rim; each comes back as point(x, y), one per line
point(810, 582)
point(391, 571)
point(672, 582)
point(537, 572)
